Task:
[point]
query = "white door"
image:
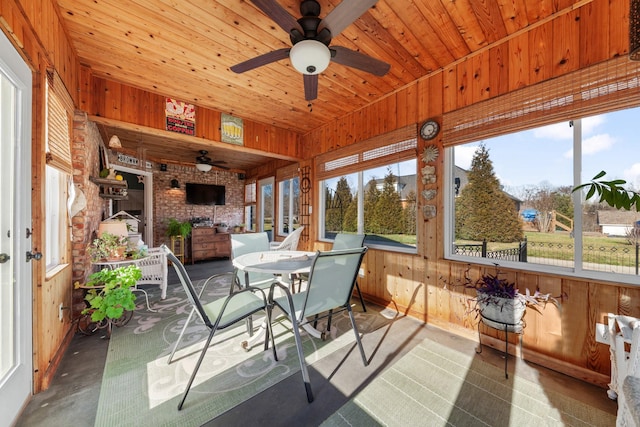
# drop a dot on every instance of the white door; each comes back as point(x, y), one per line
point(15, 218)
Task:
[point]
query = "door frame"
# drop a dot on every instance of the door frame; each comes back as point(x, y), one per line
point(148, 200)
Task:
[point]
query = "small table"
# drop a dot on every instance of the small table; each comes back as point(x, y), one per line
point(121, 263)
point(517, 328)
point(278, 263)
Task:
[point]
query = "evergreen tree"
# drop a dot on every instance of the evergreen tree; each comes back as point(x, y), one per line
point(410, 215)
point(483, 210)
point(388, 208)
point(332, 212)
point(337, 203)
point(371, 196)
point(350, 222)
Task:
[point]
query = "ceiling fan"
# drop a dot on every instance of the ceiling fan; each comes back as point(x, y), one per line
point(204, 163)
point(311, 36)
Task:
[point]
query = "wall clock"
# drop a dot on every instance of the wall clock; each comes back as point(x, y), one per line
point(429, 129)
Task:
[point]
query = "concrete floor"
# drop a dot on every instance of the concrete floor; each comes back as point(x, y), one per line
point(73, 396)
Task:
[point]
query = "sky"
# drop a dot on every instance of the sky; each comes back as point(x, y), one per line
point(611, 142)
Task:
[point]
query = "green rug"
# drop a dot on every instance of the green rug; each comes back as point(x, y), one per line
point(433, 385)
point(139, 388)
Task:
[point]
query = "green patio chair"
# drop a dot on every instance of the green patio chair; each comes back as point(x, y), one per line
point(347, 241)
point(331, 281)
point(219, 314)
point(247, 243)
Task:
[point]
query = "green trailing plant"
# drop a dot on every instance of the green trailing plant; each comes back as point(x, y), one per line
point(107, 246)
point(110, 293)
point(178, 228)
point(493, 289)
point(611, 192)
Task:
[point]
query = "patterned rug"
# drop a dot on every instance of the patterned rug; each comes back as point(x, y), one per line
point(434, 385)
point(140, 388)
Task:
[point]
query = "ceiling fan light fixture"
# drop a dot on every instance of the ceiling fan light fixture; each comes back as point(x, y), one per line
point(203, 167)
point(310, 57)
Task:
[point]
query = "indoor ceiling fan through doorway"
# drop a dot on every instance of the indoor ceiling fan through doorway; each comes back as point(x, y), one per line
point(204, 163)
point(311, 38)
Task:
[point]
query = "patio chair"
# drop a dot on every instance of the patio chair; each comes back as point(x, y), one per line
point(331, 281)
point(247, 243)
point(346, 241)
point(290, 243)
point(219, 314)
point(154, 270)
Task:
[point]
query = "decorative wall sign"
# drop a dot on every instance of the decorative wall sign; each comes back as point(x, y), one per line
point(429, 211)
point(430, 153)
point(429, 194)
point(232, 129)
point(181, 117)
point(429, 175)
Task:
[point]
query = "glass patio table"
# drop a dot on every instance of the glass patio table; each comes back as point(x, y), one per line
point(282, 264)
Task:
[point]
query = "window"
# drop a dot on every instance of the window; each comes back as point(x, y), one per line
point(509, 199)
point(288, 205)
point(265, 221)
point(56, 220)
point(250, 206)
point(372, 191)
point(59, 169)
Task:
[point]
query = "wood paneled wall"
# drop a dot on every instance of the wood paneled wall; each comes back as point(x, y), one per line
point(417, 284)
point(104, 98)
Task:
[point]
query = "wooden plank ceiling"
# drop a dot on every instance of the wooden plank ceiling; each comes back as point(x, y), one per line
point(184, 49)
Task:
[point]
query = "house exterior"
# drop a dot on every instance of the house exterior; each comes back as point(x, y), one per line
point(617, 223)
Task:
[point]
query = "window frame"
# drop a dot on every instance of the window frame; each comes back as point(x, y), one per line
point(56, 225)
point(383, 150)
point(576, 270)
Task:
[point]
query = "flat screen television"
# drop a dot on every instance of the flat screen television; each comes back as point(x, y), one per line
point(205, 194)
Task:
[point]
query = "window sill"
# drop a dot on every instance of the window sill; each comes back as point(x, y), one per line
point(55, 270)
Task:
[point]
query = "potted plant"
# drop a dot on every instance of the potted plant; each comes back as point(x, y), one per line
point(108, 247)
point(178, 228)
point(109, 292)
point(222, 228)
point(611, 192)
point(499, 300)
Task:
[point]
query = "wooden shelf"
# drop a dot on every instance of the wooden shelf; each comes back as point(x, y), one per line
point(108, 185)
point(108, 182)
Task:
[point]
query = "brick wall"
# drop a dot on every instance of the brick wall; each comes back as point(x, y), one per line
point(86, 162)
point(171, 203)
point(167, 202)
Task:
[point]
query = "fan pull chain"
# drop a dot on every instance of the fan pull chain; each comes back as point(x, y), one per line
point(310, 105)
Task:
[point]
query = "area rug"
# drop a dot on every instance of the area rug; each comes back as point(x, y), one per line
point(434, 385)
point(139, 387)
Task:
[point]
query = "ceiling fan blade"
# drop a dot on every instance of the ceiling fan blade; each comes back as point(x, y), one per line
point(259, 61)
point(344, 14)
point(310, 86)
point(358, 60)
point(278, 14)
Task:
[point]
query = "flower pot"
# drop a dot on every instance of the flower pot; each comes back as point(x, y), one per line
point(501, 310)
